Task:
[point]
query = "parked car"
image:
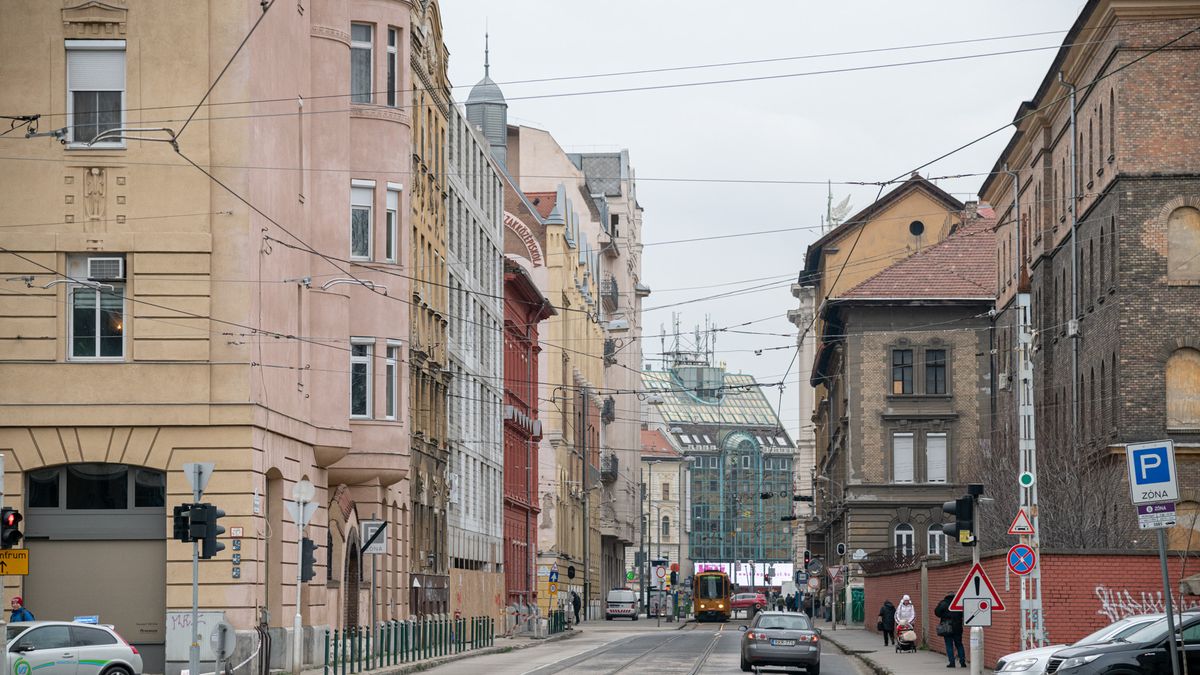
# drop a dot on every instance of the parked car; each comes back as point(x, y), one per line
point(68, 648)
point(621, 602)
point(1143, 652)
point(1034, 661)
point(753, 602)
point(781, 639)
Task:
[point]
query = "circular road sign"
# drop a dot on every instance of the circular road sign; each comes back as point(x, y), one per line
point(660, 571)
point(1021, 559)
point(1026, 479)
point(814, 583)
point(630, 575)
point(815, 567)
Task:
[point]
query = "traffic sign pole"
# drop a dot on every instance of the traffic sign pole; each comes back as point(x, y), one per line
point(1153, 479)
point(1162, 560)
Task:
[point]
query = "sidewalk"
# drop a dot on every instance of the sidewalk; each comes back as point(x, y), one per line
point(868, 647)
point(500, 645)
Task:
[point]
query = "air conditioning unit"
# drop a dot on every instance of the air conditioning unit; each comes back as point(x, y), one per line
point(106, 269)
point(1003, 381)
point(1073, 328)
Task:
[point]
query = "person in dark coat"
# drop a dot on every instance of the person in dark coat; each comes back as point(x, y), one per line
point(954, 620)
point(576, 603)
point(887, 622)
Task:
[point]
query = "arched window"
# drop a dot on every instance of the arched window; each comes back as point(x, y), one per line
point(1183, 389)
point(1183, 245)
point(937, 539)
point(903, 539)
point(666, 526)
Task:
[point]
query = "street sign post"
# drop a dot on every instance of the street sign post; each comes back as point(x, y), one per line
point(374, 536)
point(977, 612)
point(1021, 524)
point(1154, 481)
point(1021, 559)
point(977, 586)
point(14, 561)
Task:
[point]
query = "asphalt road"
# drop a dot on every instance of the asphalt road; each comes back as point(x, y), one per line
point(634, 648)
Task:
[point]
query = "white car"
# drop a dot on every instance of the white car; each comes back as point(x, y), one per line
point(1034, 661)
point(69, 648)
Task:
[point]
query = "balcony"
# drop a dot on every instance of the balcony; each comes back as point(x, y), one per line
point(609, 468)
point(610, 351)
point(608, 413)
point(609, 293)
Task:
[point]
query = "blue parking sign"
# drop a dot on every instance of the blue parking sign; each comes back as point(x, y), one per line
point(1152, 476)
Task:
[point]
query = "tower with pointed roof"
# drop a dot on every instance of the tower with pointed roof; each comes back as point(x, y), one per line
point(487, 109)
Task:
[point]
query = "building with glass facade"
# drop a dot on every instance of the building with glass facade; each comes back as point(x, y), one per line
point(740, 484)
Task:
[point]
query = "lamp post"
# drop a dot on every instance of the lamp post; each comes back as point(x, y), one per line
point(845, 544)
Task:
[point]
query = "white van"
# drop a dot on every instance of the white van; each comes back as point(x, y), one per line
point(621, 602)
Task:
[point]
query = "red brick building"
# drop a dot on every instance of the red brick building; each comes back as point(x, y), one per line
point(524, 308)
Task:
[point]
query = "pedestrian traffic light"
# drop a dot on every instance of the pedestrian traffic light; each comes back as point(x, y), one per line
point(183, 523)
point(10, 527)
point(204, 529)
point(807, 558)
point(963, 527)
point(308, 559)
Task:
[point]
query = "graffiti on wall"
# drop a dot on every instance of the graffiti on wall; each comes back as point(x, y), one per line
point(1116, 604)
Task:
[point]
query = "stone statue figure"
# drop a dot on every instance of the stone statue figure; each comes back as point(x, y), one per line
point(93, 193)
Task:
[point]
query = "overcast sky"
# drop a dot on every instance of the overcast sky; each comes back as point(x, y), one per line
point(868, 125)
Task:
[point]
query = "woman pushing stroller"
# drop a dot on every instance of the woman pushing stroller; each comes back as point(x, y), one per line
point(906, 615)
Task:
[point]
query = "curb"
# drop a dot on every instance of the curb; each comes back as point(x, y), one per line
point(443, 660)
point(875, 667)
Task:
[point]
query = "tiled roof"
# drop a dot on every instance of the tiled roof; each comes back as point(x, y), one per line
point(963, 266)
point(655, 444)
point(542, 201)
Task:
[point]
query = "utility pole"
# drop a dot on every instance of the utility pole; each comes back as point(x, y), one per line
point(301, 508)
point(587, 525)
point(1033, 633)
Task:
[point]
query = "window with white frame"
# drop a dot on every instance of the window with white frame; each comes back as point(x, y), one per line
point(391, 237)
point(902, 458)
point(935, 458)
point(361, 352)
point(937, 539)
point(362, 197)
point(392, 64)
point(903, 539)
point(95, 90)
point(361, 38)
point(392, 383)
point(97, 323)
point(666, 526)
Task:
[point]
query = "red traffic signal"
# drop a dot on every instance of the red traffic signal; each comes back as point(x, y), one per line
point(10, 527)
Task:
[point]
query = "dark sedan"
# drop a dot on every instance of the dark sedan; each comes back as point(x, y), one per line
point(1145, 652)
point(781, 639)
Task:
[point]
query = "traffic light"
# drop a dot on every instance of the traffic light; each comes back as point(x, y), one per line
point(963, 527)
point(674, 578)
point(807, 558)
point(10, 527)
point(182, 520)
point(204, 529)
point(308, 559)
point(841, 550)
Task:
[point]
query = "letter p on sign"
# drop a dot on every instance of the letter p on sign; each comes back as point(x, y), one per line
point(1152, 476)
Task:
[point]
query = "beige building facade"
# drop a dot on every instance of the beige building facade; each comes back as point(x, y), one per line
point(156, 316)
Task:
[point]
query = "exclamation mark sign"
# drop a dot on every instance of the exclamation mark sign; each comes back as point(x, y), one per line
point(977, 582)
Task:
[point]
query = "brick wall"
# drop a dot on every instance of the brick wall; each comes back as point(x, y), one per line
point(1081, 593)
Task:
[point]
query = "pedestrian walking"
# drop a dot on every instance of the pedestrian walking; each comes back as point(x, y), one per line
point(950, 627)
point(19, 612)
point(887, 622)
point(576, 603)
point(906, 613)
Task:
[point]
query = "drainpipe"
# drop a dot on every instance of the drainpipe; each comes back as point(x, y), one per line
point(1074, 270)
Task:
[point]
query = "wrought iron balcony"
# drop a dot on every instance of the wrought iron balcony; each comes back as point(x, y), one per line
point(609, 293)
point(608, 468)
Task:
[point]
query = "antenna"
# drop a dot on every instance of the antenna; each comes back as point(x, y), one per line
point(486, 49)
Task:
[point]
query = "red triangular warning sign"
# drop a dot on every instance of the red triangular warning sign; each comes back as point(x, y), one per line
point(1021, 524)
point(977, 585)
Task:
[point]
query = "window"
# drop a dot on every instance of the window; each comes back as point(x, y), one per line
point(935, 458)
point(91, 637)
point(360, 377)
point(1183, 245)
point(392, 67)
point(95, 486)
point(48, 637)
point(937, 539)
point(666, 526)
point(391, 236)
point(916, 228)
point(745, 461)
point(903, 539)
point(1183, 389)
point(361, 37)
point(97, 324)
point(714, 462)
point(935, 371)
point(902, 458)
point(361, 198)
point(95, 89)
point(902, 371)
point(392, 383)
point(666, 491)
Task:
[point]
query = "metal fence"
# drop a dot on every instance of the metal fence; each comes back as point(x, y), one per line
point(360, 648)
point(557, 620)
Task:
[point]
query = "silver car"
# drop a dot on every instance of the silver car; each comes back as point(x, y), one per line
point(1034, 661)
point(781, 639)
point(68, 648)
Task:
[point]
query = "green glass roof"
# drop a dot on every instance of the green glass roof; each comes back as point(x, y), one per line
point(739, 401)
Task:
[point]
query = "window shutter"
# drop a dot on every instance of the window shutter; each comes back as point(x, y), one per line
point(95, 69)
point(902, 458)
point(935, 457)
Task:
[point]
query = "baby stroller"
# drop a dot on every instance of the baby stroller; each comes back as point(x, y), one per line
point(906, 638)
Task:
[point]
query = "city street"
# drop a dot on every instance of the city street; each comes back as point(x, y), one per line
point(620, 647)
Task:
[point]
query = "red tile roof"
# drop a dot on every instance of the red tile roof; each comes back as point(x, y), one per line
point(542, 201)
point(960, 267)
point(655, 444)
